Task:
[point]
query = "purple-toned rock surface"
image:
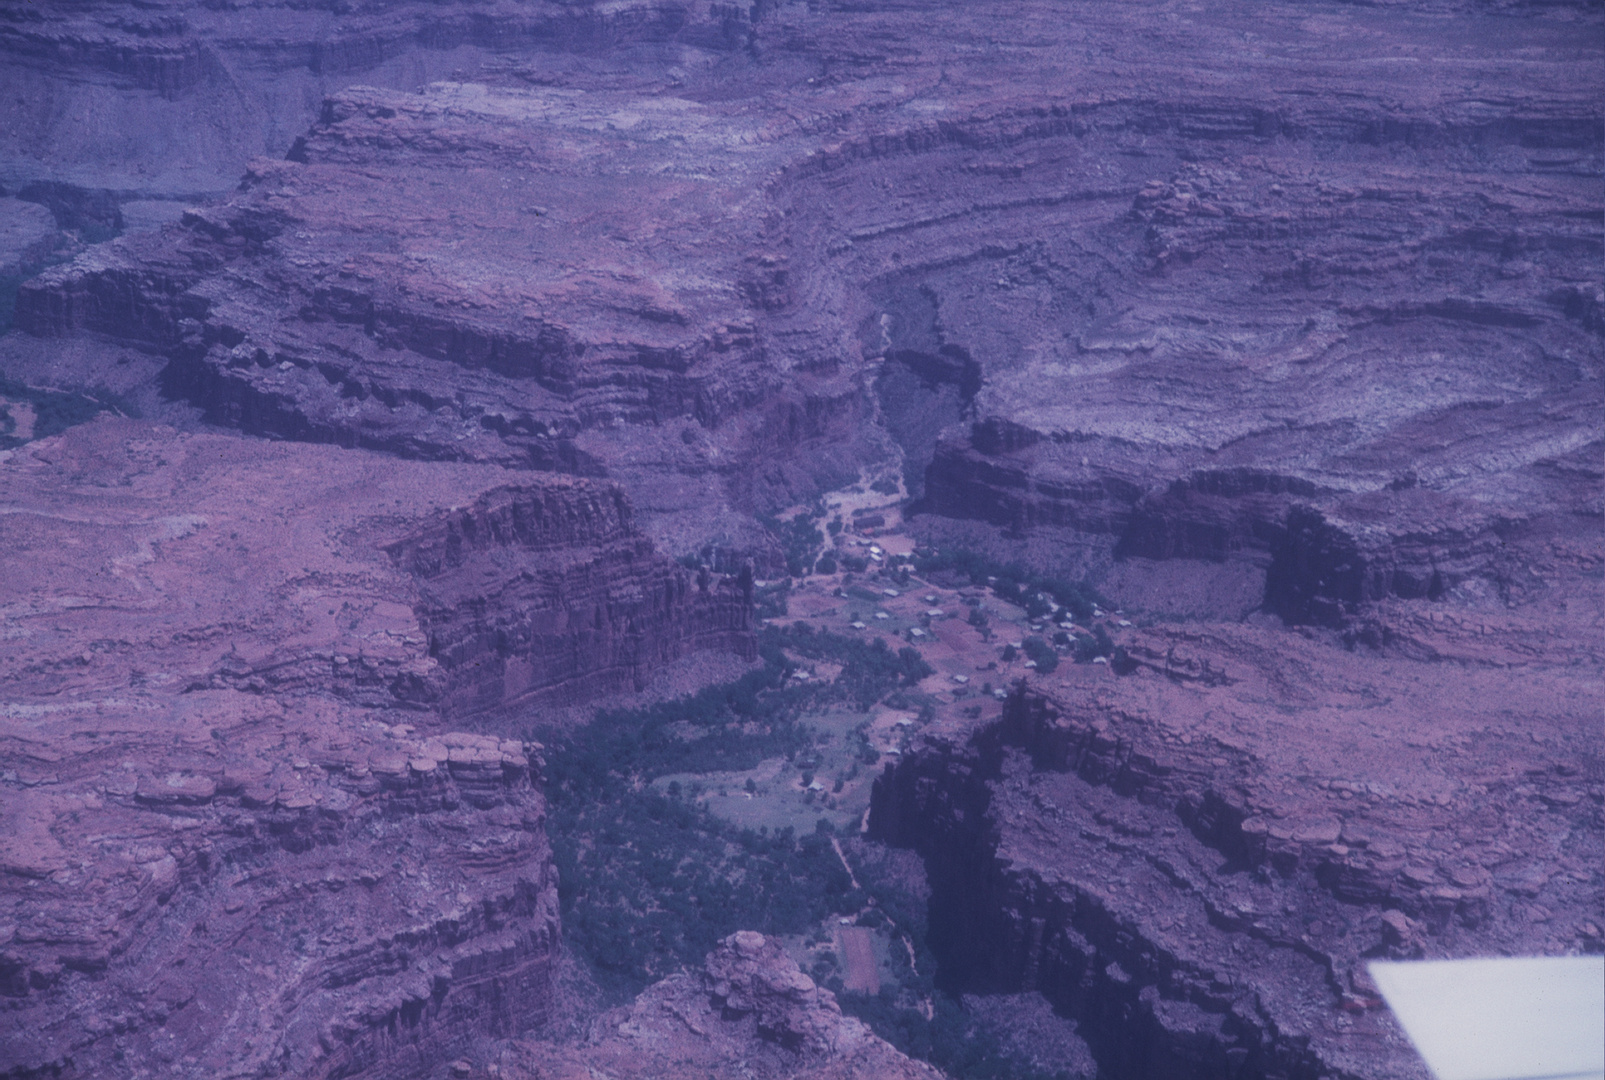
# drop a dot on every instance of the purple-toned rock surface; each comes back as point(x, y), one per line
point(1195, 849)
point(242, 835)
point(169, 99)
point(750, 1012)
point(1280, 322)
point(1140, 295)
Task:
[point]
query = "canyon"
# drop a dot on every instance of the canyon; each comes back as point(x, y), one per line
point(1197, 858)
point(389, 380)
point(247, 831)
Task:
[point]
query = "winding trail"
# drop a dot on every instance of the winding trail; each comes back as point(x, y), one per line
point(845, 864)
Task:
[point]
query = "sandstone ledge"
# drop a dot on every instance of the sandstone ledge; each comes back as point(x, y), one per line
point(1196, 859)
point(242, 835)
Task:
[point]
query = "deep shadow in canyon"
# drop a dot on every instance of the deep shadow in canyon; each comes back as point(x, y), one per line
point(1143, 460)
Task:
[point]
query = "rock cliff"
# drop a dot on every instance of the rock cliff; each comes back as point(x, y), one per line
point(750, 1012)
point(168, 100)
point(1195, 859)
point(242, 836)
point(1137, 296)
point(549, 594)
point(1282, 317)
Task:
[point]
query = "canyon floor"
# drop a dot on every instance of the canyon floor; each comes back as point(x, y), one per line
point(566, 538)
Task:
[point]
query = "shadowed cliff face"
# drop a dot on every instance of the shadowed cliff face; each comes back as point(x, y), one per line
point(577, 606)
point(1280, 306)
point(242, 835)
point(1196, 859)
point(1212, 271)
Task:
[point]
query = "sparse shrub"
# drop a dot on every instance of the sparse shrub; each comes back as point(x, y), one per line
point(914, 667)
point(1088, 649)
point(799, 538)
point(57, 410)
point(1042, 653)
point(769, 601)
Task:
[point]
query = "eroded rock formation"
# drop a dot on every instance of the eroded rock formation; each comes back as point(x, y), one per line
point(1287, 307)
point(548, 594)
point(1124, 293)
point(1196, 858)
point(241, 835)
point(168, 100)
point(750, 1012)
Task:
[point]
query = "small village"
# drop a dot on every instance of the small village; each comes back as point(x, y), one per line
point(866, 584)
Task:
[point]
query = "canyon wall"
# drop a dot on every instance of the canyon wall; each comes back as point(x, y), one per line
point(1122, 296)
point(165, 101)
point(1227, 364)
point(1270, 308)
point(578, 606)
point(1196, 859)
point(253, 890)
point(243, 835)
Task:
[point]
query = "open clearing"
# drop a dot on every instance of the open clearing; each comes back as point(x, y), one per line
point(857, 948)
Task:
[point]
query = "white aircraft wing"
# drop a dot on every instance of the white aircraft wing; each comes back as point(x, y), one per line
point(1525, 1018)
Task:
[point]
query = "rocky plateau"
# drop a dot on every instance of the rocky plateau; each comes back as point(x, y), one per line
point(449, 366)
point(246, 831)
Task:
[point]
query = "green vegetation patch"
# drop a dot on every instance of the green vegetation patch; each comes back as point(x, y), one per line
point(799, 537)
point(651, 881)
point(1099, 644)
point(1043, 653)
point(650, 885)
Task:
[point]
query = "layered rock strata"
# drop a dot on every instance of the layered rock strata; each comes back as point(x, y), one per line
point(1197, 859)
point(1142, 296)
point(241, 835)
point(457, 589)
point(549, 594)
point(170, 99)
point(1349, 352)
point(749, 1012)
point(1287, 305)
point(252, 889)
point(26, 232)
point(614, 343)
